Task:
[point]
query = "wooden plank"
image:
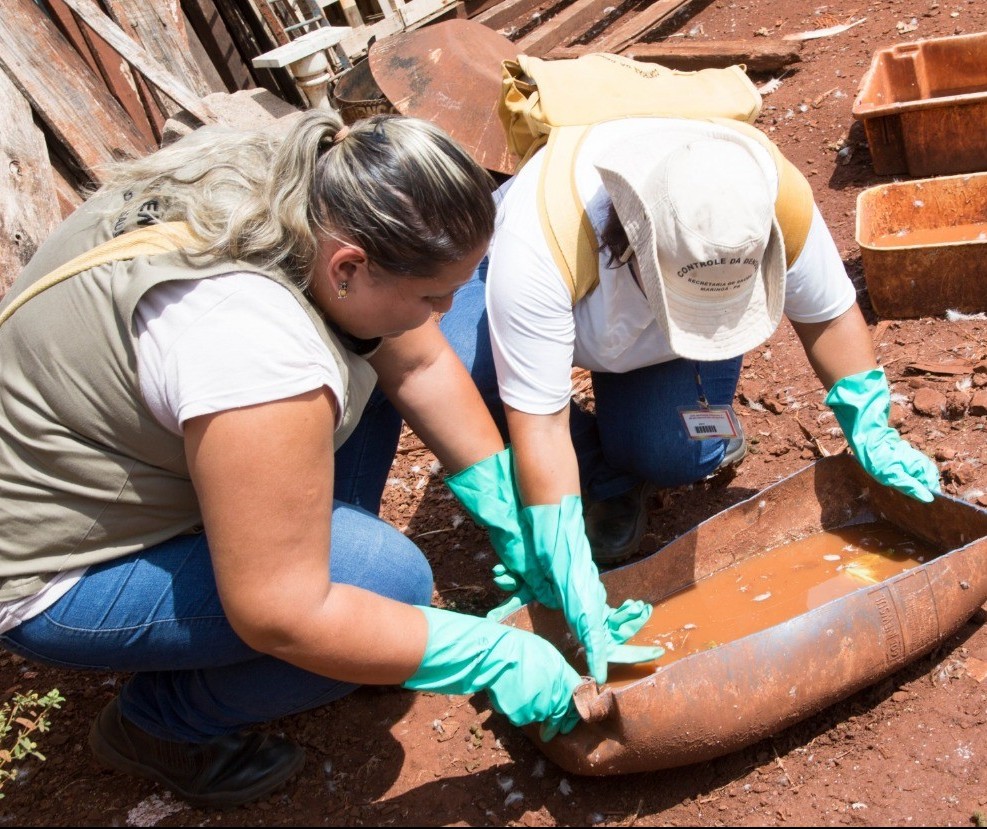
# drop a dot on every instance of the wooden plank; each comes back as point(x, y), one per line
point(140, 59)
point(634, 24)
point(106, 63)
point(274, 25)
point(70, 28)
point(68, 198)
point(474, 8)
point(509, 11)
point(387, 8)
point(252, 38)
point(350, 11)
point(160, 29)
point(759, 55)
point(304, 46)
point(202, 59)
point(63, 90)
point(28, 198)
point(172, 37)
point(571, 22)
point(413, 14)
point(216, 39)
point(67, 170)
point(128, 87)
point(152, 105)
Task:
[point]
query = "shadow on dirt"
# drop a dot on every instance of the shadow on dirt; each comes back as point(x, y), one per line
point(854, 168)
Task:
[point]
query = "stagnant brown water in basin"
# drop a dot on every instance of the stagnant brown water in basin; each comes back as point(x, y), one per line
point(772, 587)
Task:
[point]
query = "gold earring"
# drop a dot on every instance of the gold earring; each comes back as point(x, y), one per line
point(343, 290)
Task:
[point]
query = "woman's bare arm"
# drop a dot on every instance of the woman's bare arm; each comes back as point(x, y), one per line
point(429, 385)
point(264, 478)
point(839, 347)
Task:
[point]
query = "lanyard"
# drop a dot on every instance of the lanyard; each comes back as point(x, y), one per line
point(700, 394)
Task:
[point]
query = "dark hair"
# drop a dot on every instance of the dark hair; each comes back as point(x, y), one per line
point(613, 238)
point(404, 191)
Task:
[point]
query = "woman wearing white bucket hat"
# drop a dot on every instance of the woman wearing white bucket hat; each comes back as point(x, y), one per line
point(692, 274)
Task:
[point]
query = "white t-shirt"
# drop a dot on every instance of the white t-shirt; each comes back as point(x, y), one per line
point(229, 341)
point(205, 346)
point(537, 334)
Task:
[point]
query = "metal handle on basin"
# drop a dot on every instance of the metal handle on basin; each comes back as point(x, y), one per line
point(592, 704)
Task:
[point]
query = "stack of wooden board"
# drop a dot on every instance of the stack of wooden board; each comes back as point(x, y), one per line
point(84, 84)
point(561, 29)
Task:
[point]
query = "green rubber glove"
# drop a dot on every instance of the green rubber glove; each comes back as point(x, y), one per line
point(558, 536)
point(525, 677)
point(861, 403)
point(622, 622)
point(488, 492)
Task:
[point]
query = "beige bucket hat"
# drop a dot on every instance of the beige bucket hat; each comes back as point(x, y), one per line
point(698, 211)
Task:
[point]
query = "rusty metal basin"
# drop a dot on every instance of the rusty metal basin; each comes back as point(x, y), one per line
point(720, 700)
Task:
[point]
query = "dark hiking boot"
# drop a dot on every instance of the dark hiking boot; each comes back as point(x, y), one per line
point(615, 526)
point(225, 771)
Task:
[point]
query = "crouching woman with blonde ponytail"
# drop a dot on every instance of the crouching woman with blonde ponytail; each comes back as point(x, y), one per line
point(182, 362)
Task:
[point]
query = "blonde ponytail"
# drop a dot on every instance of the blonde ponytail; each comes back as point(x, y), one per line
point(398, 187)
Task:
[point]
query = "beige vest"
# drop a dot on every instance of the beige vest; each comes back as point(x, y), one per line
point(86, 473)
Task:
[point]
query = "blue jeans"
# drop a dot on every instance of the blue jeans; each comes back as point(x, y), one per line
point(363, 463)
point(636, 433)
point(157, 614)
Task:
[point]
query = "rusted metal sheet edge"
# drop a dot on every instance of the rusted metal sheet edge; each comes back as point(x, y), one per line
point(740, 693)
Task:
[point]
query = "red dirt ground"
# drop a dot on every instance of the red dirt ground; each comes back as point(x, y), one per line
point(910, 751)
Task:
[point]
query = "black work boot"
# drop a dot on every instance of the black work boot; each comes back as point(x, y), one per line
point(615, 526)
point(225, 771)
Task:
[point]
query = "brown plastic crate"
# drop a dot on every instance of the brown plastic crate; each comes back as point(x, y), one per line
point(924, 106)
point(923, 245)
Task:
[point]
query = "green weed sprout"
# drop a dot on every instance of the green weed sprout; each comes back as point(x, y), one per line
point(19, 719)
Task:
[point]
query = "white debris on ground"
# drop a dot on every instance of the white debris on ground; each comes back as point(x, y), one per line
point(153, 809)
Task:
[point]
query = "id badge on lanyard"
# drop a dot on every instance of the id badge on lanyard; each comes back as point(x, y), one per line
point(705, 421)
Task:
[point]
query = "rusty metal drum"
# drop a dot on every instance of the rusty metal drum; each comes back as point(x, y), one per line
point(355, 94)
